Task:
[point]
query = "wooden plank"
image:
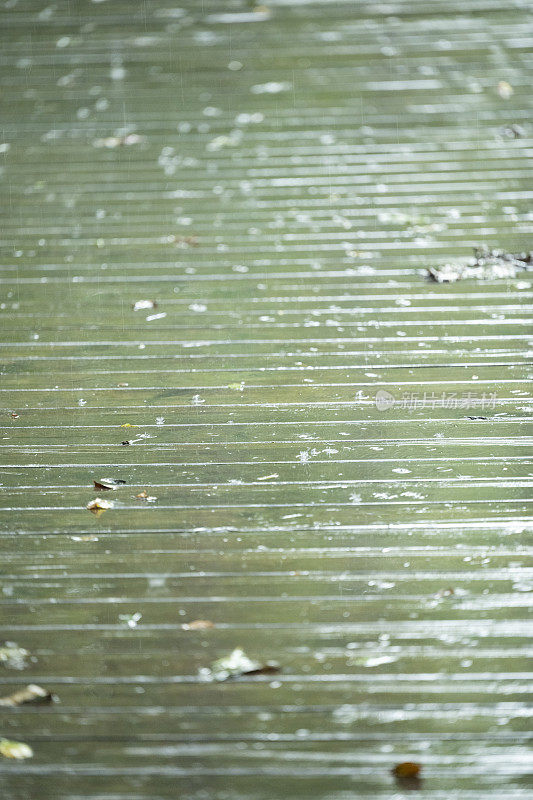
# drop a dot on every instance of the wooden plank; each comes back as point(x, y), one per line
point(277, 180)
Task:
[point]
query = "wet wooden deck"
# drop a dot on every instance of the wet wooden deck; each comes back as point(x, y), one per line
point(276, 180)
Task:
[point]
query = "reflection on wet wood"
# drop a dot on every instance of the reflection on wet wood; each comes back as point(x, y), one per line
point(216, 232)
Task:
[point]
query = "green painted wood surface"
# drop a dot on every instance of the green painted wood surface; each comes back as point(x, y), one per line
point(277, 180)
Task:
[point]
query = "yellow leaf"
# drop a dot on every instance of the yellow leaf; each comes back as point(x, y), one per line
point(18, 750)
point(99, 506)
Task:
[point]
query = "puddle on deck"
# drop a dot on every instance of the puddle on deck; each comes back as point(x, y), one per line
point(326, 454)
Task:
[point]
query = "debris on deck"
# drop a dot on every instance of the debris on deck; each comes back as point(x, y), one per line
point(17, 750)
point(198, 625)
point(108, 484)
point(407, 775)
point(143, 305)
point(235, 665)
point(12, 656)
point(31, 694)
point(486, 265)
point(99, 506)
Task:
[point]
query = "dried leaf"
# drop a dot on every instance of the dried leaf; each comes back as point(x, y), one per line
point(407, 769)
point(505, 90)
point(145, 496)
point(18, 750)
point(14, 415)
point(13, 656)
point(129, 425)
point(142, 305)
point(107, 484)
point(198, 625)
point(237, 664)
point(99, 506)
point(449, 592)
point(31, 694)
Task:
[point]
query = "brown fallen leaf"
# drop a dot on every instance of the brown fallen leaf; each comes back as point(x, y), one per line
point(99, 506)
point(145, 496)
point(108, 484)
point(270, 668)
point(30, 694)
point(407, 769)
point(18, 750)
point(445, 592)
point(237, 664)
point(198, 625)
point(14, 415)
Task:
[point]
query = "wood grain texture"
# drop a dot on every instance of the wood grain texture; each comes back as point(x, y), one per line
point(276, 180)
